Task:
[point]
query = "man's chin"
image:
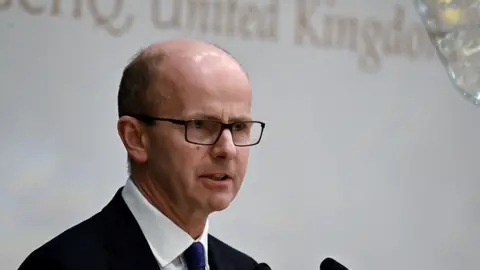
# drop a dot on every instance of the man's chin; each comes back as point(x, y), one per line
point(219, 202)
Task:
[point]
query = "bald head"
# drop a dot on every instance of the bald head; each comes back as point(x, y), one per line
point(162, 69)
point(184, 47)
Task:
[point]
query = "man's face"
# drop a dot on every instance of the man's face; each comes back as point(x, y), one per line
point(200, 90)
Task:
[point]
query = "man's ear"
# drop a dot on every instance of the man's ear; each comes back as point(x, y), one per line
point(133, 136)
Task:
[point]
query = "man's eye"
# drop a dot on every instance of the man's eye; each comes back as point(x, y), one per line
point(198, 123)
point(239, 126)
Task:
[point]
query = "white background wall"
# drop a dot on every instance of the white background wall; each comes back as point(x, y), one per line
point(376, 166)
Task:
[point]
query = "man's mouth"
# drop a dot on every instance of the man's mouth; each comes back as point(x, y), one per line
point(217, 176)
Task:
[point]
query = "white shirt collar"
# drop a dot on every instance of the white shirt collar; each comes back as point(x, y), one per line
point(167, 241)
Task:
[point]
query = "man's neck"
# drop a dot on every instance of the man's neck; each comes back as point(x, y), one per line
point(190, 221)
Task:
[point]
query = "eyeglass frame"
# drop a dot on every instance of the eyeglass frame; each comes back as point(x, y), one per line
point(223, 126)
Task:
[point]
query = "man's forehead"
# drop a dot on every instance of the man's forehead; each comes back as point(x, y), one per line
point(201, 71)
point(193, 68)
point(216, 97)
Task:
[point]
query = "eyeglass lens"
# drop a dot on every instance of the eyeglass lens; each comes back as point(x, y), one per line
point(207, 132)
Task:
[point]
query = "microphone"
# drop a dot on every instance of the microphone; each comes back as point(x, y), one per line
point(331, 264)
point(262, 266)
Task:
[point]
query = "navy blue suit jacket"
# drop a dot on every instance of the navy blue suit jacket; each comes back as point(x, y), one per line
point(112, 240)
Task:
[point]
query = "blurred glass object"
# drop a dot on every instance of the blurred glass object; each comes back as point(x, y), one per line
point(454, 29)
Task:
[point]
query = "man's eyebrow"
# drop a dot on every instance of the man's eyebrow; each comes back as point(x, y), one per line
point(240, 119)
point(211, 117)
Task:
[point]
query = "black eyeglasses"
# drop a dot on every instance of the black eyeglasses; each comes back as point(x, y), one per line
point(207, 132)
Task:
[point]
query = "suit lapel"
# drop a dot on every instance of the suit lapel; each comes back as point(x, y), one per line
point(127, 246)
point(216, 260)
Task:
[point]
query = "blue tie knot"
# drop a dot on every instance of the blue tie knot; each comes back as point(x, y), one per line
point(195, 256)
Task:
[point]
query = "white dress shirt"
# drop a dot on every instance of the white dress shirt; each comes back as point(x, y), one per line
point(166, 240)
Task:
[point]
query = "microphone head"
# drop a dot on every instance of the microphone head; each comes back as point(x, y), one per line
point(263, 266)
point(331, 264)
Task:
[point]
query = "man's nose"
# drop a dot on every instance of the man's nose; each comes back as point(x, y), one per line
point(224, 147)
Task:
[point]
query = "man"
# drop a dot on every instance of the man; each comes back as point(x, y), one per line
point(185, 121)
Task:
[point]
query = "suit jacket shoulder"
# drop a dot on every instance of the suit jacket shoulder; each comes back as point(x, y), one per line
point(113, 240)
point(79, 247)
